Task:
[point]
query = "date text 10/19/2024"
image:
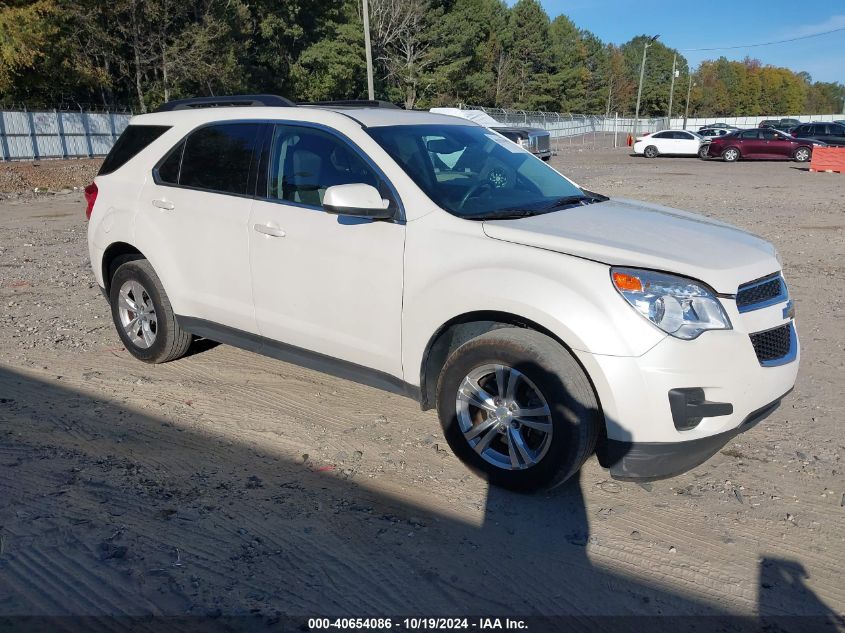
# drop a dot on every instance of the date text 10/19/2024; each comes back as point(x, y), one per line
point(417, 624)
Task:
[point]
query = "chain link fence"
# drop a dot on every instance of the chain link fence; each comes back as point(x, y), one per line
point(573, 131)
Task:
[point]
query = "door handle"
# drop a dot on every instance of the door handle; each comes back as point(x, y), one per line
point(271, 231)
point(164, 204)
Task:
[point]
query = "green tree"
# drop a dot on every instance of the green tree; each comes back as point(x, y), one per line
point(531, 56)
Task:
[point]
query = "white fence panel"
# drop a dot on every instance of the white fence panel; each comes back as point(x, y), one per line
point(58, 134)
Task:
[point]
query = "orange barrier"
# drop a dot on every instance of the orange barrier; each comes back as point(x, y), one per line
point(828, 159)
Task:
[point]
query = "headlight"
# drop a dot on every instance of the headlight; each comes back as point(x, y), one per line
point(679, 306)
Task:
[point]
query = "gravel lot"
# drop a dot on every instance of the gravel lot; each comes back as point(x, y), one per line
point(227, 483)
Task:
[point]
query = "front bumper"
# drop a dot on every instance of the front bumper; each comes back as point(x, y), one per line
point(645, 461)
point(644, 439)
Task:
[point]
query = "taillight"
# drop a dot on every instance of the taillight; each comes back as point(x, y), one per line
point(90, 197)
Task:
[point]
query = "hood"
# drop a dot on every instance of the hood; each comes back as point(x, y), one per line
point(623, 232)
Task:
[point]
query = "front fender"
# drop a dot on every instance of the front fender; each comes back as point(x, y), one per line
point(452, 269)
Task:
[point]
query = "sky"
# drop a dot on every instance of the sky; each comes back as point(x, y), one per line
point(684, 25)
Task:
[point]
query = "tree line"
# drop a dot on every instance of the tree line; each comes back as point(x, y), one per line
point(140, 53)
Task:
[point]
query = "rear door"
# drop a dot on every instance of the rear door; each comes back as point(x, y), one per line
point(192, 223)
point(749, 144)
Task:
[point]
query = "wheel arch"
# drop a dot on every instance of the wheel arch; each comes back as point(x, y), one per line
point(114, 256)
point(464, 327)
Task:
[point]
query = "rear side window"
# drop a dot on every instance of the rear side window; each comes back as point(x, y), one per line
point(134, 139)
point(219, 157)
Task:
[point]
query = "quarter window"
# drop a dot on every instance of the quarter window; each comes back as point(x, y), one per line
point(133, 140)
point(750, 134)
point(304, 162)
point(168, 170)
point(218, 158)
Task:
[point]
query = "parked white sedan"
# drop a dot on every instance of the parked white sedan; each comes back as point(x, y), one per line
point(671, 142)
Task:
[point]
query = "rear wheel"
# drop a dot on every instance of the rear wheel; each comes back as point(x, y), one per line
point(143, 315)
point(731, 155)
point(517, 408)
point(803, 154)
point(651, 152)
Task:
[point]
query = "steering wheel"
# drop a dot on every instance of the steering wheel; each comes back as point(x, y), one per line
point(474, 191)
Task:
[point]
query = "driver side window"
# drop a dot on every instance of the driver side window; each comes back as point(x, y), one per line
point(305, 161)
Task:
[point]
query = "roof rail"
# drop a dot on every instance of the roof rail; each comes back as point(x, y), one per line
point(353, 103)
point(226, 101)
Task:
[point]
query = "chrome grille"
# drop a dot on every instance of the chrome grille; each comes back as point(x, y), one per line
point(775, 346)
point(761, 293)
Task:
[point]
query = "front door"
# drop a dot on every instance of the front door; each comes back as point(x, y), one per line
point(324, 283)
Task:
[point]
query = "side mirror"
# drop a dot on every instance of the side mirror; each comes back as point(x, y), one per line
point(358, 199)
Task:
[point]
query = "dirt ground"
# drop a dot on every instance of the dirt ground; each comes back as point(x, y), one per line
point(230, 484)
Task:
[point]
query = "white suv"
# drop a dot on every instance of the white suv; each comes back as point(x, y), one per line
point(426, 255)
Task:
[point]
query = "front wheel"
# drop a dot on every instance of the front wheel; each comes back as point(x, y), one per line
point(731, 155)
point(703, 152)
point(651, 152)
point(803, 154)
point(517, 408)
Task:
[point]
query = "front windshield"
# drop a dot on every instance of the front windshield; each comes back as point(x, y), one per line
point(473, 172)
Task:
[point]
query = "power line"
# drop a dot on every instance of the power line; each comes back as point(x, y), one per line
point(793, 39)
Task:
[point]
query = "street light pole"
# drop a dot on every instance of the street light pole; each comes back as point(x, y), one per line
point(672, 89)
point(368, 51)
point(686, 110)
point(640, 89)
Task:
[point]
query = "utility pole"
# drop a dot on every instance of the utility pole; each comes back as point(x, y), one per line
point(686, 110)
point(672, 89)
point(369, 52)
point(640, 89)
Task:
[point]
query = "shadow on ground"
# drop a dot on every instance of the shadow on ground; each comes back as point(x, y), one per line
point(110, 512)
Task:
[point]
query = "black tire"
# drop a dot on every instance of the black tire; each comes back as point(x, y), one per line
point(171, 341)
point(651, 152)
point(703, 152)
point(563, 384)
point(803, 154)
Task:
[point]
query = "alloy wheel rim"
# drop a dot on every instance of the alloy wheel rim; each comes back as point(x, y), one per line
point(504, 417)
point(137, 314)
point(731, 154)
point(802, 155)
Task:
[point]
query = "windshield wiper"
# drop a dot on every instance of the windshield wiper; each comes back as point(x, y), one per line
point(588, 197)
point(567, 201)
point(505, 214)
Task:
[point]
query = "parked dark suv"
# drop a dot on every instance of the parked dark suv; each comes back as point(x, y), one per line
point(784, 125)
point(830, 133)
